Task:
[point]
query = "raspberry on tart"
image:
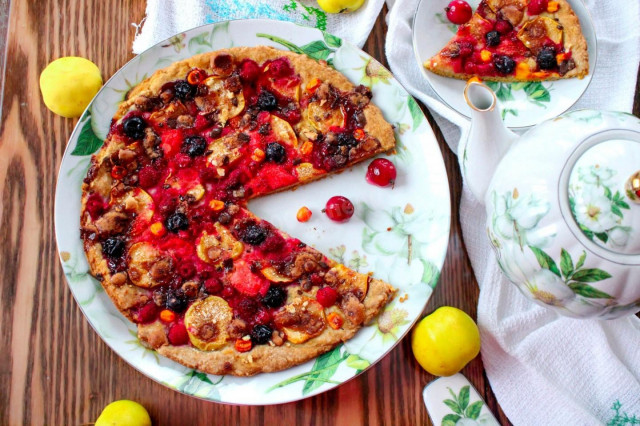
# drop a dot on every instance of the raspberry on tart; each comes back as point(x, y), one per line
point(165, 222)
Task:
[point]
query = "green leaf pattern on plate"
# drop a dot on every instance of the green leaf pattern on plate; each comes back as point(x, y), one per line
point(88, 142)
point(324, 367)
point(535, 92)
point(464, 412)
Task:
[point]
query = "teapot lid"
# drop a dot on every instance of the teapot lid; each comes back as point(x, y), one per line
point(602, 179)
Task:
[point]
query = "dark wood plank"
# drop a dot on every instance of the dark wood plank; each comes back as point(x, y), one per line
point(54, 368)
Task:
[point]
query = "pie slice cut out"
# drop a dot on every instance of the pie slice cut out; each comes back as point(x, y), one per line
point(516, 40)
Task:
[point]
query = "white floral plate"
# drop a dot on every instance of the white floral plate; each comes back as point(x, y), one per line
point(400, 234)
point(522, 104)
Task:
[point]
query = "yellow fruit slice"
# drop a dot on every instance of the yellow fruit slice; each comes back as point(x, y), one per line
point(68, 84)
point(283, 131)
point(445, 341)
point(146, 265)
point(140, 202)
point(323, 117)
point(511, 10)
point(206, 321)
point(224, 150)
point(227, 103)
point(215, 248)
point(123, 413)
point(272, 275)
point(301, 320)
point(533, 33)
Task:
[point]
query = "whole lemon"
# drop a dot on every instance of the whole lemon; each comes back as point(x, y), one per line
point(445, 341)
point(68, 84)
point(124, 413)
point(340, 6)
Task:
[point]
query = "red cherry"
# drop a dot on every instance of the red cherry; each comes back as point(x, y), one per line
point(213, 286)
point(186, 270)
point(339, 209)
point(381, 172)
point(326, 296)
point(536, 7)
point(249, 70)
point(146, 313)
point(459, 12)
point(178, 334)
point(95, 206)
point(503, 27)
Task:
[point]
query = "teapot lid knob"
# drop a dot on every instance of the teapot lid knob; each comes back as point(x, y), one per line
point(633, 187)
point(602, 193)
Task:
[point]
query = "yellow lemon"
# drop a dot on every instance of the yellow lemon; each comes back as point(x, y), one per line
point(124, 413)
point(340, 6)
point(68, 84)
point(445, 341)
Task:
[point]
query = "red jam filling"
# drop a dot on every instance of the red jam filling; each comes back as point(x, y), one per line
point(171, 180)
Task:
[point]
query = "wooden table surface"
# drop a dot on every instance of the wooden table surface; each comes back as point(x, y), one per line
point(54, 369)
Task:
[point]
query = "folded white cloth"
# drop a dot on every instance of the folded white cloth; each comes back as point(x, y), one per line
point(543, 368)
point(165, 18)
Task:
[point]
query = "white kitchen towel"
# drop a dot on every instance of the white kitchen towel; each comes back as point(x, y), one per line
point(165, 18)
point(543, 368)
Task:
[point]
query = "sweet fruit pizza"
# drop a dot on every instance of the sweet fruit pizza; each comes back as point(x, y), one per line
point(165, 224)
point(513, 40)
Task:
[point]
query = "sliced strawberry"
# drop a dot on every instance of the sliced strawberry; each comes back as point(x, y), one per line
point(245, 281)
point(171, 141)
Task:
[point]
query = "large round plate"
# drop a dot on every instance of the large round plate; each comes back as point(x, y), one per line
point(400, 234)
point(522, 104)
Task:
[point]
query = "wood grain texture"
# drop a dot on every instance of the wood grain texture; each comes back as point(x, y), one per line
point(54, 369)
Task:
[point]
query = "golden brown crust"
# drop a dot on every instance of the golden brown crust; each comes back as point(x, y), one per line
point(574, 42)
point(265, 358)
point(262, 358)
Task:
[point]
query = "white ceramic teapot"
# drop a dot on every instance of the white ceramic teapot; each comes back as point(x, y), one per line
point(562, 205)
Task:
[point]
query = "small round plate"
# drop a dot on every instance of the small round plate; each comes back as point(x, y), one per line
point(399, 234)
point(522, 104)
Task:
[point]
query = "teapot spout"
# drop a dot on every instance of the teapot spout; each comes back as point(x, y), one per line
point(488, 139)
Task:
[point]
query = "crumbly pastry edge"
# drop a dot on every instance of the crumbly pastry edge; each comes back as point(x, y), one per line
point(266, 358)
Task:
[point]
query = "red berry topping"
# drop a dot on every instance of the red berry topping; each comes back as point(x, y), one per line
point(178, 334)
point(213, 286)
point(183, 160)
point(95, 205)
point(536, 7)
point(280, 68)
point(339, 208)
point(327, 296)
point(262, 317)
point(249, 70)
point(381, 172)
point(146, 313)
point(148, 176)
point(503, 27)
point(459, 12)
point(186, 270)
